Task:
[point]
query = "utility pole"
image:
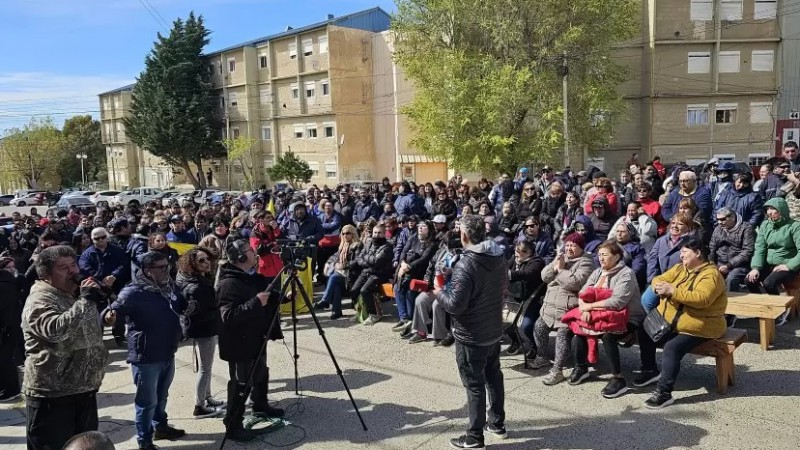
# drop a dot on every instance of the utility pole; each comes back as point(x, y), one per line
point(82, 157)
point(113, 168)
point(564, 72)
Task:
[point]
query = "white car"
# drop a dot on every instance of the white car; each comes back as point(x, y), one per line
point(78, 194)
point(167, 197)
point(30, 199)
point(135, 196)
point(101, 198)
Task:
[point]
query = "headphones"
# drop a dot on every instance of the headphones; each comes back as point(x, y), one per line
point(237, 251)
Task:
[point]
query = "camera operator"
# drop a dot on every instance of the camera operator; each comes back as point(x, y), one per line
point(304, 227)
point(247, 312)
point(65, 355)
point(472, 298)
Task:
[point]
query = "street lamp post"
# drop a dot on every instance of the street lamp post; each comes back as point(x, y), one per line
point(82, 157)
point(113, 168)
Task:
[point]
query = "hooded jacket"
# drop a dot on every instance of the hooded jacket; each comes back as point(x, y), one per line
point(308, 229)
point(592, 239)
point(778, 242)
point(479, 284)
point(747, 204)
point(602, 225)
point(733, 248)
point(245, 321)
point(64, 347)
point(376, 259)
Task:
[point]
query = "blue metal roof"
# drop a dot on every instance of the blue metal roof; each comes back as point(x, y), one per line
point(374, 19)
point(122, 89)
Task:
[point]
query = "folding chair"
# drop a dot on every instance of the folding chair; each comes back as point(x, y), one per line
point(513, 311)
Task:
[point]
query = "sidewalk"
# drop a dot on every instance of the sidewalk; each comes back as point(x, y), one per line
point(411, 397)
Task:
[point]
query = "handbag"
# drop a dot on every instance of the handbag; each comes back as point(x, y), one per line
point(657, 327)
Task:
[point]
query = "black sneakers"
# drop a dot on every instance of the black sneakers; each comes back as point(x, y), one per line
point(149, 446)
point(659, 400)
point(578, 375)
point(169, 433)
point(241, 435)
point(646, 378)
point(203, 411)
point(513, 349)
point(269, 411)
point(417, 338)
point(465, 441)
point(447, 341)
point(497, 432)
point(615, 388)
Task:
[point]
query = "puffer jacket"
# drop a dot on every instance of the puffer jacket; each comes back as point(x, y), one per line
point(479, 285)
point(733, 248)
point(778, 242)
point(563, 288)
point(64, 347)
point(746, 203)
point(528, 275)
point(625, 291)
point(447, 208)
point(376, 259)
point(153, 321)
point(245, 321)
point(202, 311)
point(418, 255)
point(702, 293)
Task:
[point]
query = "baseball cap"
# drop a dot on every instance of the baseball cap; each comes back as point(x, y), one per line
point(547, 169)
point(523, 170)
point(176, 218)
point(440, 218)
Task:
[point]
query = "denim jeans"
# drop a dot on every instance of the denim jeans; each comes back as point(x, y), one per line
point(649, 299)
point(479, 367)
point(334, 292)
point(152, 383)
point(736, 279)
point(404, 298)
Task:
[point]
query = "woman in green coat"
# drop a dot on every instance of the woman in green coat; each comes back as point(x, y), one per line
point(776, 259)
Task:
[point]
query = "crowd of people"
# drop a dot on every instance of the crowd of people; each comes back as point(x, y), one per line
point(591, 254)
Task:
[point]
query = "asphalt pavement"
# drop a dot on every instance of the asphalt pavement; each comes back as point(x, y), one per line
point(411, 397)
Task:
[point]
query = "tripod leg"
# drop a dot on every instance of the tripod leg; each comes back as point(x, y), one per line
point(294, 286)
point(330, 353)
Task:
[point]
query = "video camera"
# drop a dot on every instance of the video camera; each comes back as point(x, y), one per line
point(293, 252)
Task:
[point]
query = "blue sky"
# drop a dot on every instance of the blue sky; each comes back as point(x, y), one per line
point(59, 54)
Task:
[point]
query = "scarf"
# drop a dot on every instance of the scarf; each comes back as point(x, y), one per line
point(344, 249)
point(145, 283)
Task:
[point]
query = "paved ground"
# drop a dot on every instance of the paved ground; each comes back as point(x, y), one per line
point(411, 397)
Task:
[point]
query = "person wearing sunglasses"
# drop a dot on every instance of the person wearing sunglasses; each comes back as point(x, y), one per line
point(151, 305)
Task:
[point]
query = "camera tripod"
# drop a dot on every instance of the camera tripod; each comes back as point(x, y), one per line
point(292, 286)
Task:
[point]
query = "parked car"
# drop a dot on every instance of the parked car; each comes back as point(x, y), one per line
point(135, 196)
point(101, 198)
point(77, 201)
point(5, 200)
point(78, 194)
point(29, 199)
point(166, 197)
point(199, 197)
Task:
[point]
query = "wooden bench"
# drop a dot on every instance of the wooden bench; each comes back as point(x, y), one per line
point(722, 350)
point(765, 307)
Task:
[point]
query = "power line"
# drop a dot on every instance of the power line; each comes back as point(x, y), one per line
point(153, 15)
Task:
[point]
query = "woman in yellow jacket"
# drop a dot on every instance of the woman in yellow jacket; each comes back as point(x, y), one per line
point(695, 289)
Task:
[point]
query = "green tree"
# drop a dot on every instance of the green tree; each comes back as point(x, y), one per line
point(172, 112)
point(241, 149)
point(82, 135)
point(28, 154)
point(291, 169)
point(488, 87)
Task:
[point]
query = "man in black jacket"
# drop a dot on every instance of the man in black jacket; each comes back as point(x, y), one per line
point(247, 312)
point(474, 297)
point(375, 264)
point(732, 247)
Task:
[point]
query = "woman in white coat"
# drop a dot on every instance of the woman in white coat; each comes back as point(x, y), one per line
point(645, 225)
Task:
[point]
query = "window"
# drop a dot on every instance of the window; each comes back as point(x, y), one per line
point(762, 61)
point(222, 101)
point(699, 62)
point(765, 9)
point(292, 50)
point(701, 10)
point(730, 9)
point(328, 130)
point(760, 112)
point(231, 65)
point(298, 131)
point(262, 61)
point(696, 115)
point(323, 45)
point(725, 113)
point(308, 47)
point(757, 159)
point(310, 89)
point(295, 91)
point(266, 133)
point(235, 132)
point(326, 87)
point(330, 170)
point(311, 130)
point(232, 99)
point(314, 166)
point(729, 62)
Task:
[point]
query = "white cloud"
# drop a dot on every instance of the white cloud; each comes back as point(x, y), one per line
point(27, 94)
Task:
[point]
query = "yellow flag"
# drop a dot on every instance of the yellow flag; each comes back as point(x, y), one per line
point(181, 248)
point(271, 207)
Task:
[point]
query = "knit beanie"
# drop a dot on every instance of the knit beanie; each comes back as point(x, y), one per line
point(577, 239)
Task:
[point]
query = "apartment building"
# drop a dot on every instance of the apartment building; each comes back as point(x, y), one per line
point(705, 82)
point(307, 90)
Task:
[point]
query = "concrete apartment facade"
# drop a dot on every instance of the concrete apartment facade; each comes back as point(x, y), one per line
point(307, 90)
point(705, 82)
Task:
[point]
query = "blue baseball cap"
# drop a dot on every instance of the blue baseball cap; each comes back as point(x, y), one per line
point(523, 170)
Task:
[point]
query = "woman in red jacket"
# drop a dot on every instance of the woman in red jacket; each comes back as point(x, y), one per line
point(265, 232)
point(602, 186)
point(651, 207)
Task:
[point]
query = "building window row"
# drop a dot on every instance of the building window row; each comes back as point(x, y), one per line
point(729, 61)
point(726, 113)
point(308, 47)
point(311, 131)
point(311, 89)
point(731, 10)
point(330, 169)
